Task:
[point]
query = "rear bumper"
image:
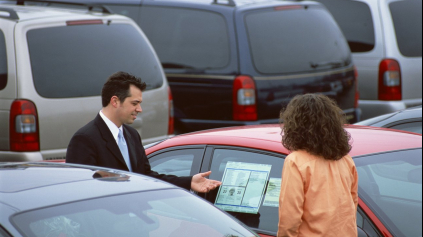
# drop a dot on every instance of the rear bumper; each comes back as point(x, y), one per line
point(7, 156)
point(11, 156)
point(190, 125)
point(373, 108)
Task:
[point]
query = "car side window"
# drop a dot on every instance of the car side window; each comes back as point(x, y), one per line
point(3, 62)
point(267, 216)
point(391, 186)
point(364, 224)
point(182, 162)
point(410, 127)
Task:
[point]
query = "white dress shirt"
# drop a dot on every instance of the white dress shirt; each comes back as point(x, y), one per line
point(113, 128)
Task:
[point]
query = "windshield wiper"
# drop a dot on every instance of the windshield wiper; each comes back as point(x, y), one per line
point(334, 64)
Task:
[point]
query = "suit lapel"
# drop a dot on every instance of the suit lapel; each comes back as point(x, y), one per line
point(109, 139)
point(131, 147)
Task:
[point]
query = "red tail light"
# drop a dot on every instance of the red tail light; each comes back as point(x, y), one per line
point(357, 93)
point(244, 99)
point(171, 128)
point(390, 80)
point(281, 8)
point(24, 133)
point(84, 22)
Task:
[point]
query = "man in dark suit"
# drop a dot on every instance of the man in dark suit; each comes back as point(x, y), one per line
point(108, 141)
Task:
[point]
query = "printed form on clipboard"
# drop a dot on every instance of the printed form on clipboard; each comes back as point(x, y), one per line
point(243, 187)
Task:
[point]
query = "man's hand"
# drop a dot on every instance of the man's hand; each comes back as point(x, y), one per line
point(200, 184)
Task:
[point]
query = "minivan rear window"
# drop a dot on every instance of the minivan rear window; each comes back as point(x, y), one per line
point(3, 62)
point(75, 61)
point(180, 39)
point(407, 17)
point(294, 40)
point(356, 22)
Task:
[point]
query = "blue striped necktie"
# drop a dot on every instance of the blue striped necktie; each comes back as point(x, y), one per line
point(124, 149)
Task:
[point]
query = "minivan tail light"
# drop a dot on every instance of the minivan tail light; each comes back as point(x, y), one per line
point(171, 126)
point(244, 99)
point(390, 87)
point(24, 129)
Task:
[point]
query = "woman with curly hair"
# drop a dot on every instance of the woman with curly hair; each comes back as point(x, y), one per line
point(319, 179)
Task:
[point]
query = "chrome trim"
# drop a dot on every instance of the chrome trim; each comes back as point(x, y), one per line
point(222, 77)
point(305, 75)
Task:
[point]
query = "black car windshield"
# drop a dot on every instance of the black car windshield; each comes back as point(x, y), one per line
point(164, 213)
point(391, 185)
point(296, 39)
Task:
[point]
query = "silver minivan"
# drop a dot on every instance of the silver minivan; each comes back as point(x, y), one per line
point(53, 64)
point(385, 37)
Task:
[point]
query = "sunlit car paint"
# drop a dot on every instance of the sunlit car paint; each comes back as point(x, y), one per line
point(59, 198)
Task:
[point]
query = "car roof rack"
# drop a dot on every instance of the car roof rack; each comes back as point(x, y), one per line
point(91, 7)
point(230, 2)
point(12, 14)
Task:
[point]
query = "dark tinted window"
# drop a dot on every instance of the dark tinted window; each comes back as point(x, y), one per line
point(3, 62)
point(75, 61)
point(296, 40)
point(187, 38)
point(178, 162)
point(407, 17)
point(356, 22)
point(391, 185)
point(164, 213)
point(411, 127)
point(267, 216)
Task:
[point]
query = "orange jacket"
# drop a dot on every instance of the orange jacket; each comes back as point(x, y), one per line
point(318, 197)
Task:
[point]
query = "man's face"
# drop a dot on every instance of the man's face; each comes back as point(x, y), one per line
point(128, 110)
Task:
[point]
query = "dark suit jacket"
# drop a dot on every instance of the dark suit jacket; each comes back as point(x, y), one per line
point(94, 144)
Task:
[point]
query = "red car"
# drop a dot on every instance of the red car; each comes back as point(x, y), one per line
point(248, 160)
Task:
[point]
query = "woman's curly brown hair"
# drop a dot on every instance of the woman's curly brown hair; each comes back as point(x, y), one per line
point(315, 123)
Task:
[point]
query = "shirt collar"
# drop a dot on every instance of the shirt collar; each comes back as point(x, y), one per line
point(113, 128)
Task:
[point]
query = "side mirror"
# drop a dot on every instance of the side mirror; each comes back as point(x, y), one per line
point(361, 232)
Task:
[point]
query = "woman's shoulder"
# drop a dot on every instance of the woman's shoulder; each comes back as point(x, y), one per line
point(301, 157)
point(349, 160)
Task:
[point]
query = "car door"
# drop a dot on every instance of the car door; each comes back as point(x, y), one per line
point(179, 161)
point(250, 185)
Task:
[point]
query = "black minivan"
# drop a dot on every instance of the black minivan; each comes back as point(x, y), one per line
point(240, 62)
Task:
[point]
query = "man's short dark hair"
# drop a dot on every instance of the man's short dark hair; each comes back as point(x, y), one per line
point(118, 84)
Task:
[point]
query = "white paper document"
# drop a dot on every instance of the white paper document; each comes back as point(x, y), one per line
point(243, 186)
point(272, 194)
